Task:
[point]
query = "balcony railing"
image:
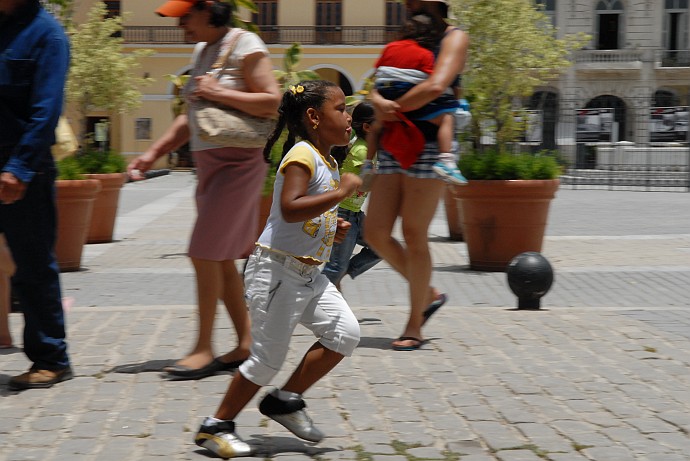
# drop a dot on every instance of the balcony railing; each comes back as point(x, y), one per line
point(673, 58)
point(608, 56)
point(305, 35)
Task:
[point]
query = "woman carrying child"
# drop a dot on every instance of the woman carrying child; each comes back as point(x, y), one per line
point(413, 194)
point(284, 285)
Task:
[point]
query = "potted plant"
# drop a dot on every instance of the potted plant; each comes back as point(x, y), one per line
point(507, 63)
point(102, 77)
point(108, 167)
point(504, 207)
point(75, 196)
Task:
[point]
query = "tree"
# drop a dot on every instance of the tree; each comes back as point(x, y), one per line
point(513, 49)
point(239, 22)
point(101, 75)
point(288, 75)
point(62, 9)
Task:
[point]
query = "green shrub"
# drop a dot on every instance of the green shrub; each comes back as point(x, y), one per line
point(96, 161)
point(69, 168)
point(90, 162)
point(493, 165)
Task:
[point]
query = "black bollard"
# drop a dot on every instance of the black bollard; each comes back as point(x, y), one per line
point(530, 276)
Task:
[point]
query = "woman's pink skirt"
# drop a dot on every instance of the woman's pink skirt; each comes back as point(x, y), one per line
point(230, 180)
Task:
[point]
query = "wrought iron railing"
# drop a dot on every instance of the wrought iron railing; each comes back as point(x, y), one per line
point(673, 58)
point(305, 35)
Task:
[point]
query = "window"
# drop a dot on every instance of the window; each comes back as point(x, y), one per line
point(113, 8)
point(329, 21)
point(395, 17)
point(675, 31)
point(395, 13)
point(113, 11)
point(549, 9)
point(266, 19)
point(609, 30)
point(142, 129)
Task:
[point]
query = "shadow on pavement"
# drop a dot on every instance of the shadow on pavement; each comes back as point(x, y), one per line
point(268, 447)
point(143, 367)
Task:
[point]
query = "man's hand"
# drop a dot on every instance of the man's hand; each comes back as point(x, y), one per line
point(11, 188)
point(341, 230)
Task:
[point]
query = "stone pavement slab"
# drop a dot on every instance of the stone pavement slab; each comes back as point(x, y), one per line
point(492, 383)
point(599, 373)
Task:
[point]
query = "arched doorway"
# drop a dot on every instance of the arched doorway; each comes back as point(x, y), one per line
point(614, 125)
point(337, 77)
point(665, 98)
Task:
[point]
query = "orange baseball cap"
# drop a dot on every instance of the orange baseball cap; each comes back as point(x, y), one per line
point(175, 8)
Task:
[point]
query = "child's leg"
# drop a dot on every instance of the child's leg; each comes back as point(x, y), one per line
point(366, 258)
point(446, 131)
point(268, 283)
point(446, 166)
point(332, 321)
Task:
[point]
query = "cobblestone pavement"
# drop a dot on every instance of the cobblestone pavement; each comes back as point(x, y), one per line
point(599, 373)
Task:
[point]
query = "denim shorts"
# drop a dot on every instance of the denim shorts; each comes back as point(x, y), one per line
point(387, 164)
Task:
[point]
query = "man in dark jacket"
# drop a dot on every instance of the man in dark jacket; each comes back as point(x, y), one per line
point(34, 58)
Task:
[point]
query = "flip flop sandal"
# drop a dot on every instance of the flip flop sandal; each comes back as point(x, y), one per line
point(417, 343)
point(434, 306)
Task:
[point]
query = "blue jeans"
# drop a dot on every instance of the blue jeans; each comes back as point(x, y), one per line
point(342, 262)
point(30, 227)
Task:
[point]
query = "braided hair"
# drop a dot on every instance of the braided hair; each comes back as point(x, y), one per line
point(292, 112)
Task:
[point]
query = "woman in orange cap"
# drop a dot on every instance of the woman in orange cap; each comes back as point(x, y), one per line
point(229, 178)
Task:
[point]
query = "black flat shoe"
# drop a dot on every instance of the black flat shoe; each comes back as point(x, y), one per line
point(235, 364)
point(183, 373)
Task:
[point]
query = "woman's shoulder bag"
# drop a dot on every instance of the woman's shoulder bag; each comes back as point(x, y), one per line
point(231, 127)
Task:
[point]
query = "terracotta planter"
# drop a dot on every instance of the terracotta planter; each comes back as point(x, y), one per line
point(453, 213)
point(74, 206)
point(105, 207)
point(502, 219)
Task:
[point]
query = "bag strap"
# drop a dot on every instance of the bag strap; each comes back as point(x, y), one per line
point(222, 61)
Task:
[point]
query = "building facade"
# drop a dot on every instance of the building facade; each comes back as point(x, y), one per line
point(637, 61)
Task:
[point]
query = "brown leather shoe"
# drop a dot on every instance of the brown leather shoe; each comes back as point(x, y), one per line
point(39, 379)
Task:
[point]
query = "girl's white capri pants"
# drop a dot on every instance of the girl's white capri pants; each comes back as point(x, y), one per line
point(281, 293)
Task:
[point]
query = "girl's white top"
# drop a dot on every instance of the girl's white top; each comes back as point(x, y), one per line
point(312, 238)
